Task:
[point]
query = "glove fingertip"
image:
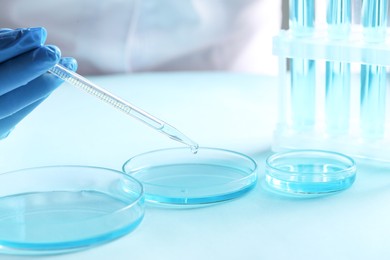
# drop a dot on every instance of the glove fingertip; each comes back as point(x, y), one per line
point(38, 34)
point(16, 42)
point(5, 30)
point(53, 52)
point(69, 63)
point(45, 57)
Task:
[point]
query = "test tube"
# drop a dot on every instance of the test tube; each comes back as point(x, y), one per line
point(373, 77)
point(338, 74)
point(302, 70)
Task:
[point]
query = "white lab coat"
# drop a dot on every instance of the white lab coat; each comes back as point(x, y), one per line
point(115, 36)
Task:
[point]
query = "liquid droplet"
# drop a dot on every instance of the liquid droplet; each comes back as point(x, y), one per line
point(194, 149)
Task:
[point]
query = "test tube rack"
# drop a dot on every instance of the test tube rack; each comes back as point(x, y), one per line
point(320, 48)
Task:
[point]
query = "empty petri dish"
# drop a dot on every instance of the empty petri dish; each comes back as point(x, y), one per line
point(309, 172)
point(178, 177)
point(59, 209)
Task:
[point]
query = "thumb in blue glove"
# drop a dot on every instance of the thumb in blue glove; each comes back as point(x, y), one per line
point(24, 81)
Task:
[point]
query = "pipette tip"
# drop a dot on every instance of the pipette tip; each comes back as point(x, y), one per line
point(176, 135)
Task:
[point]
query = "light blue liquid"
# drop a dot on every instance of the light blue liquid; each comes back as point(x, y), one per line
point(374, 20)
point(303, 180)
point(302, 71)
point(195, 183)
point(373, 77)
point(338, 74)
point(309, 172)
point(302, 16)
point(337, 99)
point(338, 18)
point(62, 220)
point(298, 187)
point(373, 101)
point(303, 94)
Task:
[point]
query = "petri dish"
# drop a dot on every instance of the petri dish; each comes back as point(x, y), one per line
point(177, 177)
point(309, 172)
point(60, 209)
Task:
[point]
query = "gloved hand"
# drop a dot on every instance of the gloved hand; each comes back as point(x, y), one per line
point(24, 81)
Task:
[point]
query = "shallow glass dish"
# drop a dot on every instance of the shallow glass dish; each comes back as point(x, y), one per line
point(178, 177)
point(310, 172)
point(58, 209)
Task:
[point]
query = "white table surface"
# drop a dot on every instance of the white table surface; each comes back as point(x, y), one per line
point(231, 111)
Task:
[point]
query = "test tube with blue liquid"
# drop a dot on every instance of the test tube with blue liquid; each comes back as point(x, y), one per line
point(338, 74)
point(373, 77)
point(302, 70)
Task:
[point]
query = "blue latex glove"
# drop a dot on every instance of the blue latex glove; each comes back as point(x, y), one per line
point(24, 81)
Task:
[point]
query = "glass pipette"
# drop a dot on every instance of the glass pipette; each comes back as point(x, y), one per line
point(124, 106)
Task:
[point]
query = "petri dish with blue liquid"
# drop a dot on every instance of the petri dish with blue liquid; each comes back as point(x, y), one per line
point(309, 172)
point(61, 209)
point(176, 177)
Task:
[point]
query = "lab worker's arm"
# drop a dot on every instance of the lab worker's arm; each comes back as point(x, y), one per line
point(228, 35)
point(24, 81)
point(155, 35)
